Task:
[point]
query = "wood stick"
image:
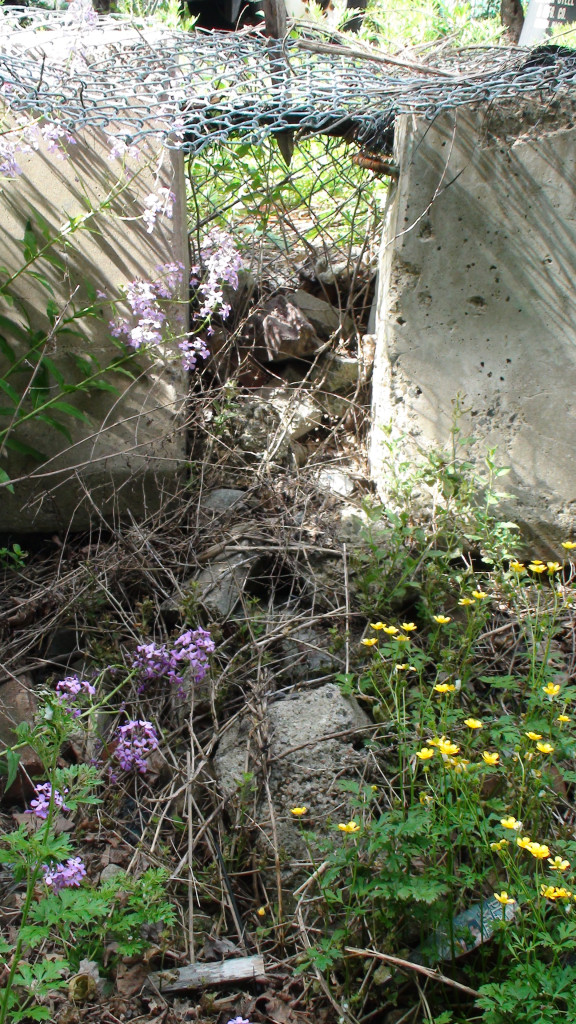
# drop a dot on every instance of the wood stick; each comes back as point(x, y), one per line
point(242, 968)
point(409, 966)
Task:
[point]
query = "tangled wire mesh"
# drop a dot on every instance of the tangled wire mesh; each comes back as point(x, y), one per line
point(191, 89)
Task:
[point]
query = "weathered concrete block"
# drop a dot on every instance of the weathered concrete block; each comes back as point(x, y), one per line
point(132, 451)
point(477, 299)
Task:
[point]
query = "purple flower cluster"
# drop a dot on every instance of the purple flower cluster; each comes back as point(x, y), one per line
point(65, 875)
point(189, 651)
point(70, 689)
point(41, 805)
point(136, 740)
point(191, 348)
point(161, 202)
point(148, 318)
point(221, 262)
point(27, 138)
point(120, 148)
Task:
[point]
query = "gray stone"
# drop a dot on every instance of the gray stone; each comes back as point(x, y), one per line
point(219, 587)
point(307, 776)
point(110, 871)
point(222, 499)
point(332, 479)
point(336, 373)
point(325, 319)
point(477, 299)
point(278, 330)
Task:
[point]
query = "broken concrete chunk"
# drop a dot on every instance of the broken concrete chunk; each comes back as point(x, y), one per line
point(279, 330)
point(325, 319)
point(306, 760)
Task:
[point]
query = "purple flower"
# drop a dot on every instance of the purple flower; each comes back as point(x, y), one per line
point(189, 650)
point(159, 202)
point(221, 261)
point(41, 805)
point(70, 688)
point(191, 348)
point(53, 136)
point(81, 14)
point(65, 875)
point(136, 740)
point(238, 1020)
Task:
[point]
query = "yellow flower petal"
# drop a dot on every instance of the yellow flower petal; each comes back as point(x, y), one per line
point(442, 619)
point(409, 627)
point(377, 625)
point(539, 850)
point(569, 545)
point(473, 723)
point(425, 754)
point(545, 748)
point(479, 595)
point(369, 641)
point(489, 758)
point(444, 687)
point(298, 811)
point(511, 822)
point(503, 898)
point(465, 601)
point(533, 735)
point(551, 689)
point(558, 864)
point(350, 827)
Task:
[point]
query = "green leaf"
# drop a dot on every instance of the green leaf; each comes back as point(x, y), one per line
point(10, 391)
point(71, 410)
point(12, 326)
point(7, 350)
point(30, 241)
point(12, 763)
point(5, 479)
point(53, 369)
point(42, 279)
point(23, 449)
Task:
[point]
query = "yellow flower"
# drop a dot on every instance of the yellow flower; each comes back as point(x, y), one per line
point(533, 735)
point(517, 567)
point(447, 748)
point(465, 601)
point(435, 742)
point(369, 641)
point(350, 827)
point(409, 627)
point(473, 723)
point(524, 843)
point(551, 892)
point(569, 545)
point(537, 561)
point(261, 911)
point(374, 789)
point(377, 625)
point(489, 758)
point(444, 687)
point(425, 754)
point(479, 595)
point(537, 567)
point(551, 689)
point(553, 566)
point(442, 619)
point(298, 811)
point(557, 864)
point(402, 667)
point(391, 630)
point(503, 898)
point(539, 850)
point(426, 799)
point(499, 846)
point(511, 822)
point(563, 718)
point(545, 748)
point(459, 764)
point(402, 639)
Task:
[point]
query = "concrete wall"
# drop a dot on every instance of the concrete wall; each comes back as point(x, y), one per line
point(477, 299)
point(134, 449)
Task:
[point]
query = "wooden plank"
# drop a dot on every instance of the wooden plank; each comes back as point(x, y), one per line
point(275, 18)
point(242, 968)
